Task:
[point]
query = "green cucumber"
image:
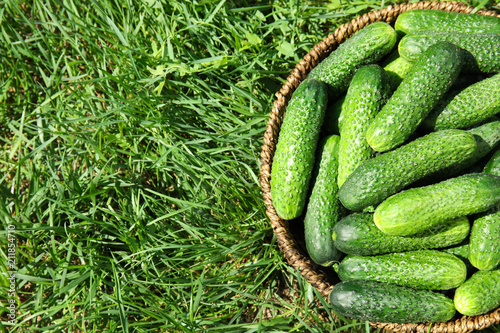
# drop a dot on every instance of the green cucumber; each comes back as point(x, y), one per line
point(376, 179)
point(416, 209)
point(462, 252)
point(485, 241)
point(481, 52)
point(487, 138)
point(382, 302)
point(419, 92)
point(479, 294)
point(472, 106)
point(462, 82)
point(368, 91)
point(396, 68)
point(424, 269)
point(440, 20)
point(493, 164)
point(295, 152)
point(357, 234)
point(324, 208)
point(366, 46)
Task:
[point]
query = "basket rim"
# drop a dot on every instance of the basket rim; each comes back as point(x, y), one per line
point(286, 242)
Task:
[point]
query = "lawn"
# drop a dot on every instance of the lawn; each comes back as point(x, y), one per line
point(131, 135)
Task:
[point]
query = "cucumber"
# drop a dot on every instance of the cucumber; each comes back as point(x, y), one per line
point(295, 152)
point(385, 174)
point(424, 269)
point(324, 208)
point(396, 68)
point(462, 82)
point(440, 20)
point(366, 46)
point(493, 164)
point(419, 92)
point(357, 234)
point(462, 252)
point(472, 106)
point(479, 294)
point(485, 241)
point(487, 138)
point(368, 91)
point(382, 302)
point(481, 52)
point(416, 209)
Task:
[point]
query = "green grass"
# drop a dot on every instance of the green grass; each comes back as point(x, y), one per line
point(131, 135)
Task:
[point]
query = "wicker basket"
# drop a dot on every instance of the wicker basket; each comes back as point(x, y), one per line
point(290, 239)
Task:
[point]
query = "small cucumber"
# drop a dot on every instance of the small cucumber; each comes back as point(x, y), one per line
point(462, 251)
point(416, 209)
point(396, 68)
point(376, 179)
point(382, 302)
point(493, 165)
point(479, 294)
point(324, 208)
point(368, 91)
point(485, 241)
point(357, 234)
point(366, 46)
point(440, 20)
point(295, 152)
point(424, 269)
point(471, 106)
point(419, 92)
point(481, 52)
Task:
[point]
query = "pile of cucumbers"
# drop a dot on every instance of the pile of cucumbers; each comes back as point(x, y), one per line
point(389, 151)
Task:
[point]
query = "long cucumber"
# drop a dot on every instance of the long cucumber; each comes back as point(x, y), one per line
point(424, 269)
point(419, 92)
point(368, 91)
point(324, 209)
point(417, 209)
point(376, 179)
point(295, 152)
point(383, 302)
point(366, 46)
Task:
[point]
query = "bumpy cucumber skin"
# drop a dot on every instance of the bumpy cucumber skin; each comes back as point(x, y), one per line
point(357, 234)
point(439, 20)
point(419, 92)
point(376, 179)
point(368, 91)
point(481, 51)
point(462, 82)
point(424, 269)
point(479, 294)
point(472, 106)
point(295, 152)
point(487, 138)
point(485, 242)
point(366, 46)
point(417, 209)
point(382, 302)
point(493, 165)
point(324, 208)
